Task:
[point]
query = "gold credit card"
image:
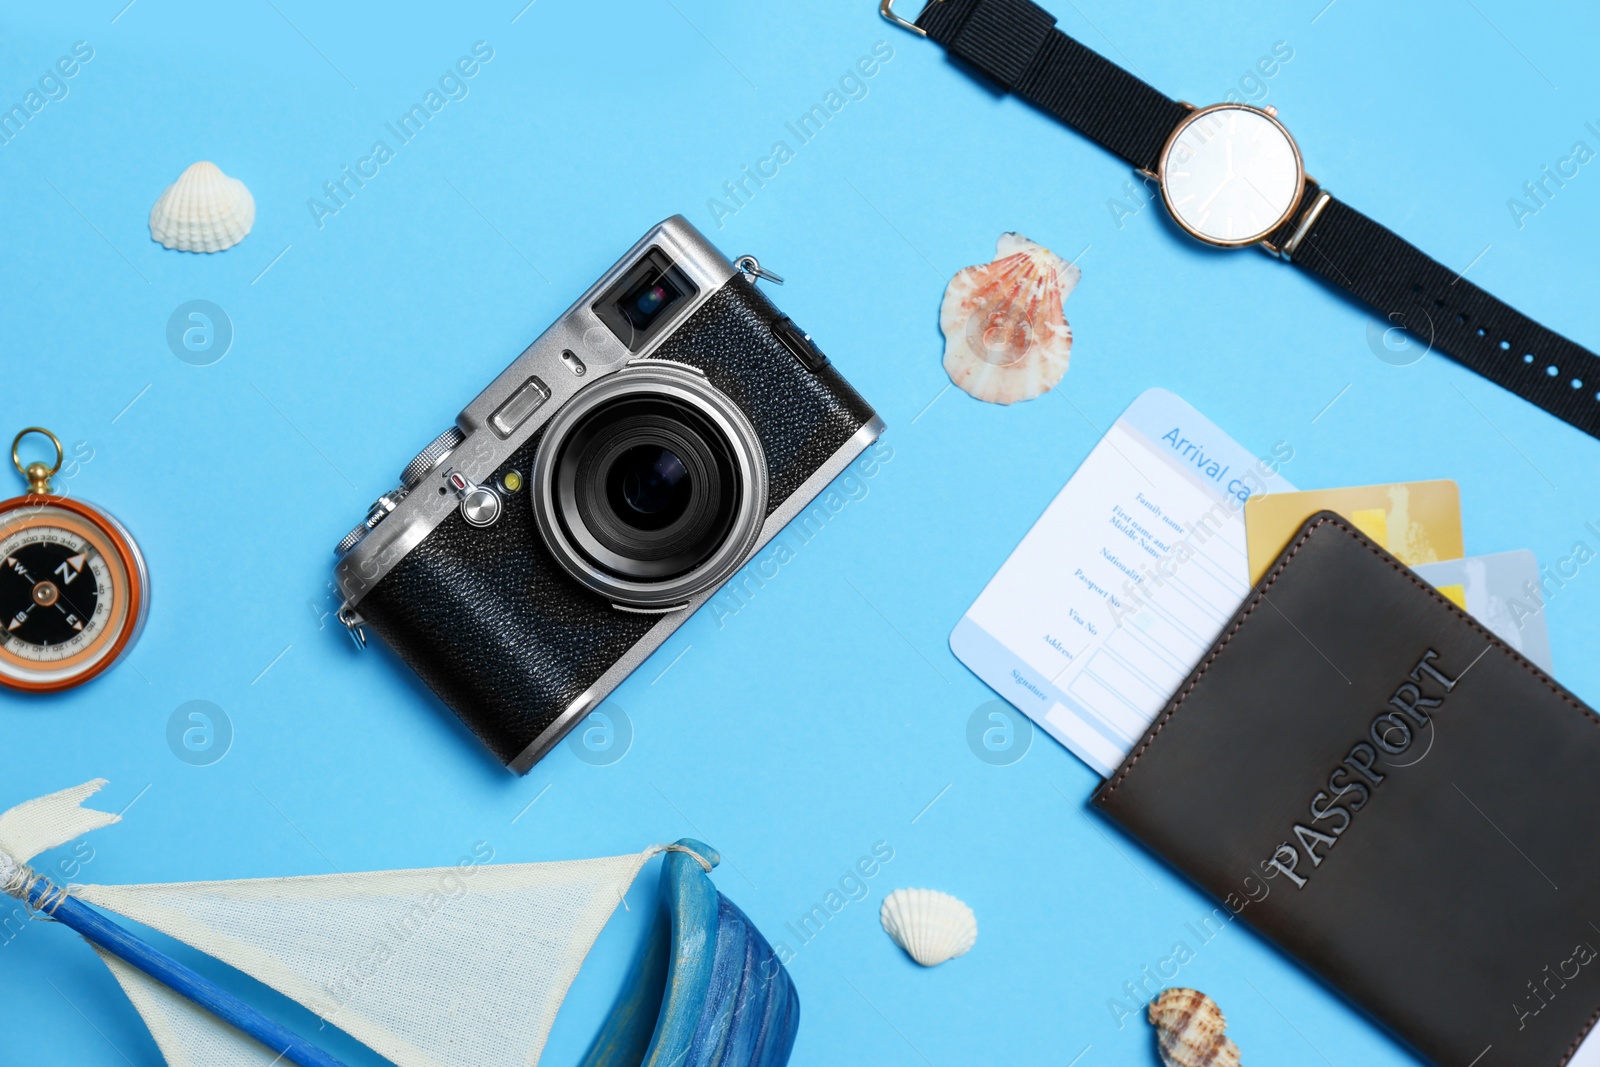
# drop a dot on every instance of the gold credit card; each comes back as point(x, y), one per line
point(1419, 522)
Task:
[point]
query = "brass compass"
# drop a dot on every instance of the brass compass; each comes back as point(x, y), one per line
point(73, 584)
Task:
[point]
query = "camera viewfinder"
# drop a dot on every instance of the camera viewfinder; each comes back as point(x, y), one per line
point(638, 306)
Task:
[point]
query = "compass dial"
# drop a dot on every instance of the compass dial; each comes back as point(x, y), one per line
point(72, 592)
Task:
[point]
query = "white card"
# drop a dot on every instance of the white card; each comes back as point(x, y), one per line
point(1124, 582)
point(1502, 592)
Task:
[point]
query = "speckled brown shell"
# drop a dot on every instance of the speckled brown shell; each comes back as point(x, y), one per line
point(1190, 1030)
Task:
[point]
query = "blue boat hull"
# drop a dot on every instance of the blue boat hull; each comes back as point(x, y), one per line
point(707, 990)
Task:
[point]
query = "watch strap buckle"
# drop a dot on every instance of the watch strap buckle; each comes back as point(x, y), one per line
point(886, 9)
point(1308, 219)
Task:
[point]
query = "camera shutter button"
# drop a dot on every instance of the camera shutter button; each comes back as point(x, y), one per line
point(480, 505)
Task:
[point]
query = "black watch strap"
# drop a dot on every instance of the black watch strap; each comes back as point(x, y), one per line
point(1016, 45)
point(1441, 309)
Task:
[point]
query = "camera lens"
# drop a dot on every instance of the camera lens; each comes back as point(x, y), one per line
point(650, 486)
point(646, 487)
point(653, 484)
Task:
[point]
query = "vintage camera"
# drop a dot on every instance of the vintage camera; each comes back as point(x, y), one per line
point(602, 488)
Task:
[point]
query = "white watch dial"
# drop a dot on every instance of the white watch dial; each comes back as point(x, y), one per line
point(1231, 175)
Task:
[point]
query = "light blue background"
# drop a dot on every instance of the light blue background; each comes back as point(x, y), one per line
point(826, 714)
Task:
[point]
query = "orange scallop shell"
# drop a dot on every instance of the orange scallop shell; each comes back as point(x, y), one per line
point(1005, 329)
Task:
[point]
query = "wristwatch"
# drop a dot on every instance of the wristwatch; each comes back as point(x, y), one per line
point(1231, 175)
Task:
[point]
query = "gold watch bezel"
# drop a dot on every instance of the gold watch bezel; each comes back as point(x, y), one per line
point(1199, 114)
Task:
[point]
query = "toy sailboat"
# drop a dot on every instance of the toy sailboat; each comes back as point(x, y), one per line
point(430, 968)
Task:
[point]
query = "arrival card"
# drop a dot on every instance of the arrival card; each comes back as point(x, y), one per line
point(1419, 522)
point(1124, 582)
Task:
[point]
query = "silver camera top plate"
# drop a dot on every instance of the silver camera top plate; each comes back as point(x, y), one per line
point(575, 350)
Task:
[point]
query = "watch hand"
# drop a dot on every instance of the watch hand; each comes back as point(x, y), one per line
point(1215, 193)
point(1264, 198)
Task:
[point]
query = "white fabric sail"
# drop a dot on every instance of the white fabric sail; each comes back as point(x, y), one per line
point(187, 1034)
point(48, 821)
point(449, 966)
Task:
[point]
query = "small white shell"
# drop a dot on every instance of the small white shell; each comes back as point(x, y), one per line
point(203, 211)
point(931, 926)
point(1006, 336)
point(1190, 1030)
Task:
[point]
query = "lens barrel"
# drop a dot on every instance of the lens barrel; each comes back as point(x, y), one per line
point(650, 486)
point(646, 488)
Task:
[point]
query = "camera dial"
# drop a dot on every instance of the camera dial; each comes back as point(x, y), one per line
point(377, 513)
point(650, 486)
point(431, 457)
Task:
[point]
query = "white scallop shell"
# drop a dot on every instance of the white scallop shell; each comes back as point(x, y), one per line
point(1190, 1030)
point(203, 211)
point(1006, 336)
point(931, 926)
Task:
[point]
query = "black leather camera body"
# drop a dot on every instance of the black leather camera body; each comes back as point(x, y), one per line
point(602, 488)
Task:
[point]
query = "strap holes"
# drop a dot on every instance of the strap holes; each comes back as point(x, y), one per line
point(1462, 318)
point(1505, 346)
point(1552, 371)
point(1577, 383)
point(1528, 358)
point(1482, 332)
point(1438, 303)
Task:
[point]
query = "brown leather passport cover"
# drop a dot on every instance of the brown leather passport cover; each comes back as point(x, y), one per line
point(1394, 797)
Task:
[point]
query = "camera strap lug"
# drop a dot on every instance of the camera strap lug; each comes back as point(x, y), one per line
point(753, 271)
point(354, 625)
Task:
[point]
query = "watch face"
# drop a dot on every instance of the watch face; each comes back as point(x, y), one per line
point(1231, 174)
point(71, 593)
